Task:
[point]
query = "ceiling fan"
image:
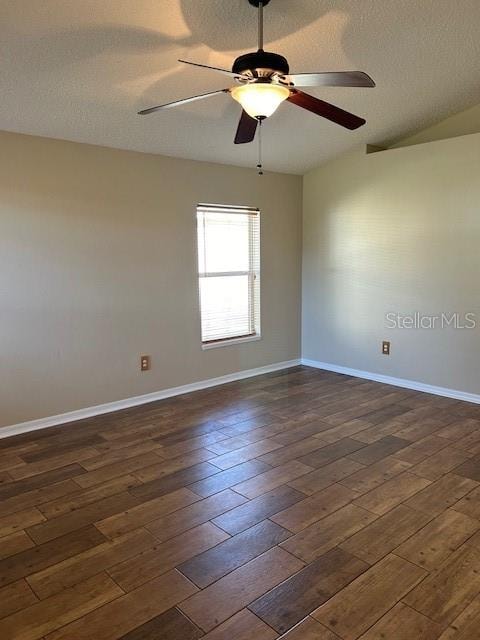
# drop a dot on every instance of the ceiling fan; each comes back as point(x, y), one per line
point(263, 82)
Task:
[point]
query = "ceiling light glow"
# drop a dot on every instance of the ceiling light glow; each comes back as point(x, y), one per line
point(260, 100)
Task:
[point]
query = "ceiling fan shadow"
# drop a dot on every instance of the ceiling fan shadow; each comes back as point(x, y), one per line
point(54, 50)
point(207, 21)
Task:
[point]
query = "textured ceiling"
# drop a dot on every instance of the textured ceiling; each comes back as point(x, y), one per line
point(80, 70)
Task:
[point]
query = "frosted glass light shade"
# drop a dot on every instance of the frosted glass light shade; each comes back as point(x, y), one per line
point(260, 100)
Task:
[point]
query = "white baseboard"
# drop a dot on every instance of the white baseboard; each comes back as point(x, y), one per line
point(81, 414)
point(396, 382)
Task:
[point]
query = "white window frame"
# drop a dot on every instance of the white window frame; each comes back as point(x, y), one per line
point(256, 334)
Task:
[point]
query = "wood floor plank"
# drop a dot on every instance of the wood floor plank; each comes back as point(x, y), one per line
point(43, 617)
point(466, 625)
point(20, 520)
point(49, 464)
point(249, 451)
point(383, 535)
point(106, 458)
point(129, 611)
point(369, 478)
point(38, 557)
point(312, 428)
point(231, 444)
point(247, 420)
point(363, 408)
point(320, 537)
point(419, 430)
point(421, 449)
point(124, 442)
point(36, 497)
point(310, 629)
point(470, 444)
point(8, 447)
point(378, 431)
point(459, 429)
point(293, 451)
point(14, 543)
point(140, 514)
point(230, 594)
point(442, 494)
point(251, 512)
point(190, 444)
point(15, 597)
point(325, 476)
point(289, 429)
point(171, 625)
point(389, 412)
point(271, 479)
point(435, 542)
point(365, 600)
point(229, 478)
point(345, 430)
point(331, 452)
point(164, 468)
point(62, 573)
point(175, 523)
point(440, 463)
point(152, 562)
point(470, 469)
point(319, 505)
point(213, 564)
point(173, 481)
point(10, 461)
point(244, 625)
point(54, 449)
point(469, 504)
point(5, 478)
point(190, 429)
point(445, 593)
point(122, 468)
point(379, 450)
point(288, 603)
point(391, 493)
point(466, 409)
point(82, 497)
point(50, 529)
point(403, 623)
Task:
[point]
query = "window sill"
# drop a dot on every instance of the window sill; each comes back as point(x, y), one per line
point(228, 343)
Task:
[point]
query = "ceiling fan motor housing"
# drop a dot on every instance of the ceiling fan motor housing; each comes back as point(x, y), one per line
point(261, 60)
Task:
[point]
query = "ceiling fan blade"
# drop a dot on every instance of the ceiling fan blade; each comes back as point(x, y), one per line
point(247, 127)
point(326, 110)
point(176, 103)
point(332, 79)
point(225, 72)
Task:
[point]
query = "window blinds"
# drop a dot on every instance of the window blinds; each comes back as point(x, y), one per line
point(228, 271)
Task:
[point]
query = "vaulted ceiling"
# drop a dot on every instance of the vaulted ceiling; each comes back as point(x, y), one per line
point(80, 70)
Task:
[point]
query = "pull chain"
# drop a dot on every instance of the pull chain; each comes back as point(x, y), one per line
point(260, 163)
point(260, 48)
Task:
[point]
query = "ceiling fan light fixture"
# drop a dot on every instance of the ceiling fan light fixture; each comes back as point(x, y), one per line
point(260, 100)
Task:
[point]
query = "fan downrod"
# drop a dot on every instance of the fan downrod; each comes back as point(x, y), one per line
point(256, 3)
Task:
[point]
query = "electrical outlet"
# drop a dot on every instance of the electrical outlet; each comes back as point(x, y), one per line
point(144, 363)
point(386, 348)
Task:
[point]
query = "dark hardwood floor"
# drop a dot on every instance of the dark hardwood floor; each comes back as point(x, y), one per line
point(299, 504)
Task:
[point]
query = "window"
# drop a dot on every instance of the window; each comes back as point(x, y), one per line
point(228, 273)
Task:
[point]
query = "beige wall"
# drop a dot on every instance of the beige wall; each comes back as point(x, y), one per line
point(97, 266)
point(394, 231)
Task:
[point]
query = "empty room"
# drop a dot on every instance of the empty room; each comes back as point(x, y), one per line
point(239, 320)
